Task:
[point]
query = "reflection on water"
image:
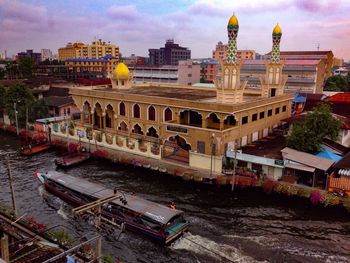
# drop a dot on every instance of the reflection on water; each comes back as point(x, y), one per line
point(246, 227)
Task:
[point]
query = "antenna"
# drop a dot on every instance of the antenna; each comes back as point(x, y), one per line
point(318, 46)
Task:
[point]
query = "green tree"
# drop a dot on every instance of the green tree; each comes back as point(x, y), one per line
point(2, 97)
point(337, 83)
point(38, 110)
point(26, 66)
point(20, 95)
point(308, 135)
point(2, 73)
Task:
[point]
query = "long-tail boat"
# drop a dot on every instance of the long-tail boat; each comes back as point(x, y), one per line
point(71, 159)
point(31, 150)
point(159, 222)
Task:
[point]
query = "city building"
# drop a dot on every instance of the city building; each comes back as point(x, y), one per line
point(99, 49)
point(170, 54)
point(46, 54)
point(303, 75)
point(92, 67)
point(3, 55)
point(193, 125)
point(36, 57)
point(71, 50)
point(326, 57)
point(186, 73)
point(134, 60)
point(220, 52)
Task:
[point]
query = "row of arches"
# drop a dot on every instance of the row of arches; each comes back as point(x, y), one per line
point(137, 129)
point(101, 119)
point(104, 119)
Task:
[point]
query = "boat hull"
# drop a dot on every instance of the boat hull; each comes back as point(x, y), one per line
point(34, 150)
point(129, 222)
point(71, 160)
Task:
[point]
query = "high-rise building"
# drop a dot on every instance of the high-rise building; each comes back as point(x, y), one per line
point(170, 54)
point(98, 49)
point(36, 57)
point(46, 54)
point(71, 50)
point(220, 52)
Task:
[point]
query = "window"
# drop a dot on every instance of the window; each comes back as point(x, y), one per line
point(254, 117)
point(277, 110)
point(284, 108)
point(122, 109)
point(168, 115)
point(200, 147)
point(269, 113)
point(245, 120)
point(189, 75)
point(136, 111)
point(151, 113)
point(262, 115)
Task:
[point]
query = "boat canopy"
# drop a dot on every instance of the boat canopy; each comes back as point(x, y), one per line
point(159, 213)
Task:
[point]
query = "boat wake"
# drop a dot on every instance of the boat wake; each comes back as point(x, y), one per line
point(62, 211)
point(203, 246)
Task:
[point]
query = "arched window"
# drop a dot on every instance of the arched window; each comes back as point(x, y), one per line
point(137, 129)
point(123, 126)
point(122, 109)
point(152, 132)
point(136, 111)
point(151, 113)
point(168, 115)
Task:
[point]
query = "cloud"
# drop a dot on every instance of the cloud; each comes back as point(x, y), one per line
point(126, 12)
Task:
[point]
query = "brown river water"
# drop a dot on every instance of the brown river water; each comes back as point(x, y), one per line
point(244, 226)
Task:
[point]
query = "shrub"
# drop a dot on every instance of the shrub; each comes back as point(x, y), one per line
point(331, 199)
point(269, 185)
point(304, 192)
point(316, 198)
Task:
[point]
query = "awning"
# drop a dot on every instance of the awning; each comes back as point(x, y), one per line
point(300, 167)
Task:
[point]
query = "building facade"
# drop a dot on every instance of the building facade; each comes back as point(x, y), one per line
point(36, 57)
point(46, 54)
point(97, 67)
point(192, 125)
point(97, 49)
point(170, 54)
point(220, 52)
point(71, 50)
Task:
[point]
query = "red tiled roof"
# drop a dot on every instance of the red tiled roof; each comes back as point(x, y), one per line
point(303, 53)
point(340, 97)
point(302, 62)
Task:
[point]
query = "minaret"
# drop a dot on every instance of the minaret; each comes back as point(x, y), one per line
point(228, 85)
point(273, 83)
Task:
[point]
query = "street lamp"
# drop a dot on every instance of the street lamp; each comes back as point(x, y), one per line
point(16, 118)
point(234, 166)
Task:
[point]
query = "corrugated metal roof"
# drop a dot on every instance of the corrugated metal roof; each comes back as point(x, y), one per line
point(306, 159)
point(157, 212)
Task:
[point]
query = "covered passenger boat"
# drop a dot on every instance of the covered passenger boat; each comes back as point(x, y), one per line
point(156, 221)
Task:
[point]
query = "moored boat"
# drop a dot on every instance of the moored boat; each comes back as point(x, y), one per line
point(31, 150)
point(72, 159)
point(159, 222)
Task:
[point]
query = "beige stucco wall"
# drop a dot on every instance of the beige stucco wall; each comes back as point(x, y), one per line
point(203, 161)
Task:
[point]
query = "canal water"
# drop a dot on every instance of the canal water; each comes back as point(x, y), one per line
point(246, 226)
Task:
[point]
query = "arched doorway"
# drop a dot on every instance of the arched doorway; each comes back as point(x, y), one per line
point(98, 124)
point(176, 148)
point(152, 132)
point(109, 116)
point(87, 113)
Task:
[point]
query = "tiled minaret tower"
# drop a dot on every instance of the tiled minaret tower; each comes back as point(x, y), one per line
point(273, 83)
point(228, 85)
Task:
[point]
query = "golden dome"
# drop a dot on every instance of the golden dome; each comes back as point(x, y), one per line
point(277, 30)
point(121, 72)
point(233, 21)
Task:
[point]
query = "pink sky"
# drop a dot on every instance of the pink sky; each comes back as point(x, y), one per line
point(139, 25)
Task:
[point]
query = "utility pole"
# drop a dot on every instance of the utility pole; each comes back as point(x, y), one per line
point(15, 107)
point(94, 208)
point(234, 172)
point(26, 122)
point(11, 186)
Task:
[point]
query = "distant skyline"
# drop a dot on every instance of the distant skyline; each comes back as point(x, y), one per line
point(139, 25)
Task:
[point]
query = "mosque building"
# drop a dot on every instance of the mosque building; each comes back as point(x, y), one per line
point(186, 124)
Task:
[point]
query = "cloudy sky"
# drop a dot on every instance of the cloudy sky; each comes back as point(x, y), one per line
point(137, 25)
